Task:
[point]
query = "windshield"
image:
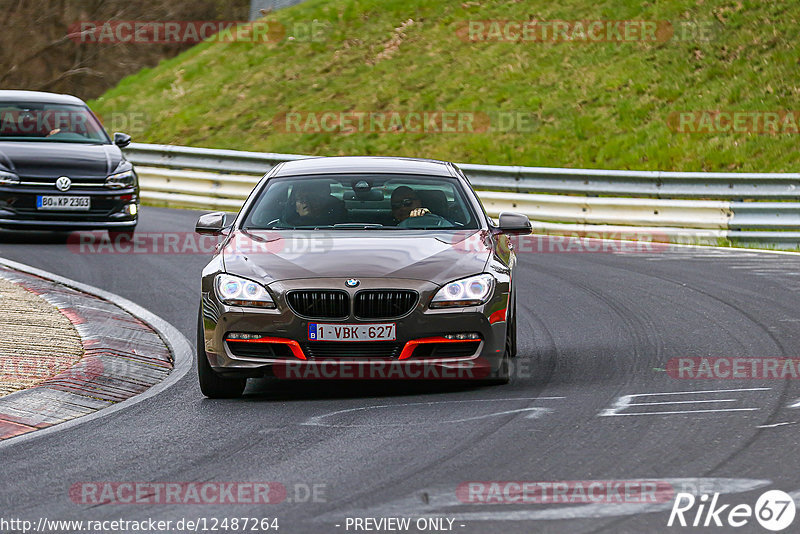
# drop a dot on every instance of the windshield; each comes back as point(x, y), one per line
point(367, 202)
point(63, 123)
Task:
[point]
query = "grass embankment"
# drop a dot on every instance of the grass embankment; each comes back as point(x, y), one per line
point(595, 105)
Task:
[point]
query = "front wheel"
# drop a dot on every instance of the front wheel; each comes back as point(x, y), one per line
point(502, 375)
point(212, 384)
point(512, 327)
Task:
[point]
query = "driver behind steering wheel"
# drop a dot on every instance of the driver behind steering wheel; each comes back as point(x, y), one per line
point(406, 203)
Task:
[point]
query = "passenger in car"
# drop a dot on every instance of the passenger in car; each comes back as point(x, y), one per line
point(309, 205)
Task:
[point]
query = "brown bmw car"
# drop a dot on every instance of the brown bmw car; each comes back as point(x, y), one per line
point(358, 268)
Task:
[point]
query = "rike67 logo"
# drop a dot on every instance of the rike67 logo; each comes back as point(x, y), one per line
point(774, 510)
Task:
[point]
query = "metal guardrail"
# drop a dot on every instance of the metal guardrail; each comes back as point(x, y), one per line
point(648, 184)
point(671, 206)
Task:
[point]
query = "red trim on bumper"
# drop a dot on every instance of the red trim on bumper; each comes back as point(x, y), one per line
point(408, 350)
point(293, 345)
point(406, 353)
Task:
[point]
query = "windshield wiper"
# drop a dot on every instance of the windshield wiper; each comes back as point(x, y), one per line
point(340, 226)
point(365, 226)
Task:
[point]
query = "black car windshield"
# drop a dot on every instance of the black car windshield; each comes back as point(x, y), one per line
point(63, 123)
point(362, 201)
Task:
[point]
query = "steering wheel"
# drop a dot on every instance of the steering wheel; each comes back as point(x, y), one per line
point(429, 220)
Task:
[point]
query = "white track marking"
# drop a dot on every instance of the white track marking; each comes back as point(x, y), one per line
point(679, 402)
point(701, 391)
point(533, 412)
point(625, 402)
point(776, 424)
point(689, 411)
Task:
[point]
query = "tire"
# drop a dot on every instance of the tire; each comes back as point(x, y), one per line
point(503, 374)
point(212, 384)
point(512, 328)
point(125, 234)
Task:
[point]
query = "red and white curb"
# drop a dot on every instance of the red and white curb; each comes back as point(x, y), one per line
point(128, 353)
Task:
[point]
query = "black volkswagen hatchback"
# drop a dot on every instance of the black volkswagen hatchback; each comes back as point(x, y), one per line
point(59, 169)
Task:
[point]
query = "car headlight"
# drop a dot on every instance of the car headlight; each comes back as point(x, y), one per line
point(465, 292)
point(8, 178)
point(121, 180)
point(236, 291)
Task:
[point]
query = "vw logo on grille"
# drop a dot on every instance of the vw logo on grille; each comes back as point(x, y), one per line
point(63, 183)
point(352, 282)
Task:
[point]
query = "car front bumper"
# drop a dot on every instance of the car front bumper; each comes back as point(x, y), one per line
point(18, 209)
point(412, 355)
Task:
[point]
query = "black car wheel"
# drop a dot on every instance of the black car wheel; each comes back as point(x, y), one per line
point(212, 384)
point(503, 374)
point(512, 327)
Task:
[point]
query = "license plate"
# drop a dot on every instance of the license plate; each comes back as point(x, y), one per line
point(63, 203)
point(352, 332)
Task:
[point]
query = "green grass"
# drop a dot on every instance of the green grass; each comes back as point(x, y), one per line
point(596, 105)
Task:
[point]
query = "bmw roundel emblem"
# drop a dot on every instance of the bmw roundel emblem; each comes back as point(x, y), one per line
point(352, 282)
point(63, 183)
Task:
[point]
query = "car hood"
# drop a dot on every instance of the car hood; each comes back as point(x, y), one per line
point(438, 257)
point(46, 160)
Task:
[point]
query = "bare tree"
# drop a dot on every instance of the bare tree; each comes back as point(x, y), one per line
point(40, 50)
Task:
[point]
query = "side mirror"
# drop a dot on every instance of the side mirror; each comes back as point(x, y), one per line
point(514, 223)
point(122, 139)
point(211, 223)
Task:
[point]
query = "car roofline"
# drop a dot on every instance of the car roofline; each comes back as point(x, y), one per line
point(338, 165)
point(38, 97)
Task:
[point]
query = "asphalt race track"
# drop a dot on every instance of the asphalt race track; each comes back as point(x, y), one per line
point(593, 329)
